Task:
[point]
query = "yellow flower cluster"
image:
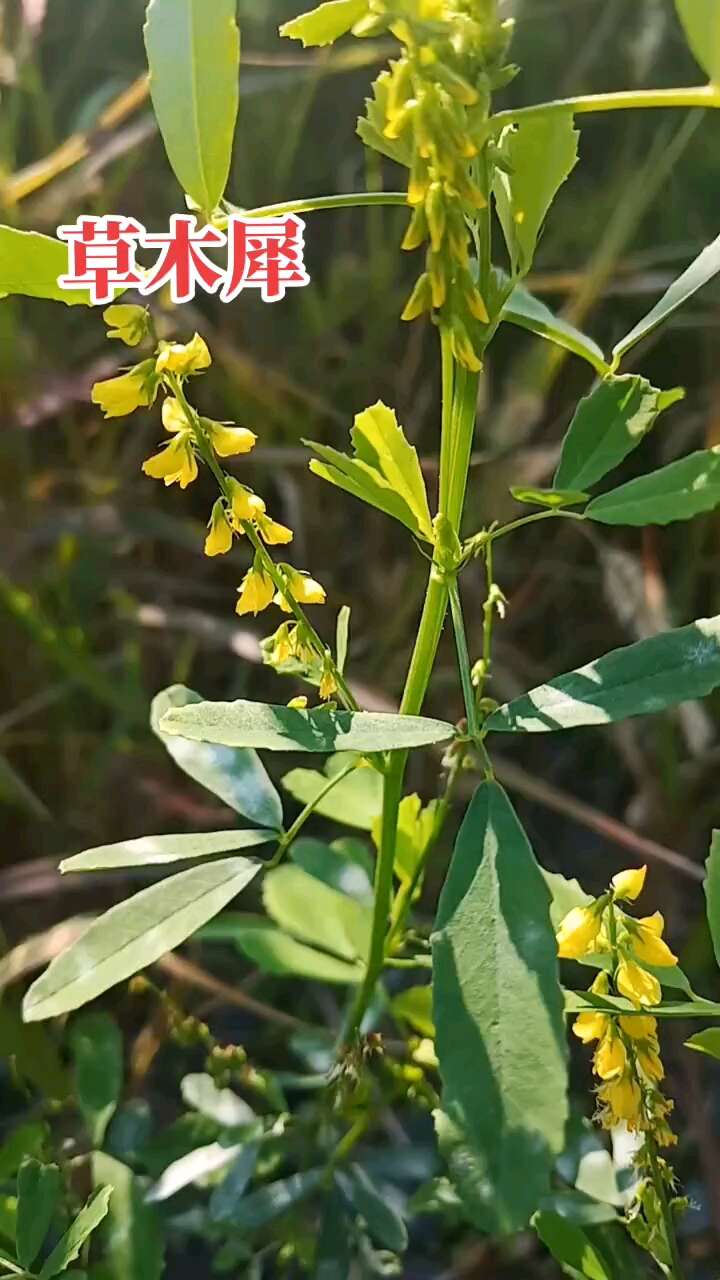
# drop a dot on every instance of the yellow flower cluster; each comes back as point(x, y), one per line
point(434, 103)
point(238, 511)
point(627, 1055)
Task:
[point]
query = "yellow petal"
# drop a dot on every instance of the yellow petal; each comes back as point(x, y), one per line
point(228, 442)
point(219, 539)
point(577, 933)
point(274, 534)
point(639, 1028)
point(245, 504)
point(173, 416)
point(641, 987)
point(628, 885)
point(184, 358)
point(256, 592)
point(590, 1026)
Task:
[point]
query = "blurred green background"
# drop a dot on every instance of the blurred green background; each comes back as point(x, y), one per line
point(105, 596)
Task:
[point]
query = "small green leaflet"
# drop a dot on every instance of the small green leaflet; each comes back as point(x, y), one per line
point(498, 1010)
point(277, 952)
point(97, 1050)
point(636, 680)
point(571, 1247)
point(149, 851)
point(68, 1248)
point(540, 154)
point(554, 499)
point(135, 934)
point(132, 1234)
point(269, 1202)
point(255, 724)
point(607, 425)
point(384, 471)
point(193, 51)
point(384, 1224)
point(712, 892)
point(237, 777)
point(707, 1042)
point(701, 20)
point(565, 895)
point(705, 266)
point(38, 1194)
point(354, 802)
point(679, 491)
point(313, 912)
point(414, 1005)
point(528, 312)
point(325, 24)
point(30, 264)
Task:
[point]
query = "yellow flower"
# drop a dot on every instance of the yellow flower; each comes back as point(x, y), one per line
point(175, 464)
point(219, 539)
point(624, 1100)
point(184, 358)
point(173, 415)
point(274, 534)
point(647, 943)
point(129, 391)
point(650, 1062)
point(128, 323)
point(328, 685)
point(628, 885)
point(639, 1028)
point(256, 592)
point(305, 589)
point(577, 932)
point(229, 441)
point(610, 1057)
point(641, 987)
point(590, 1026)
point(298, 704)
point(245, 504)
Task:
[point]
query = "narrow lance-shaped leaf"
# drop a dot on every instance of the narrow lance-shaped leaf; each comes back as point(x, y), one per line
point(238, 777)
point(384, 1224)
point(255, 724)
point(38, 1194)
point(701, 20)
point(528, 312)
point(702, 270)
point(608, 424)
point(135, 934)
point(132, 1234)
point(193, 53)
point(30, 265)
point(636, 680)
point(97, 1050)
point(712, 892)
point(571, 1247)
point(540, 154)
point(679, 491)
point(274, 951)
point(499, 1018)
point(148, 851)
point(68, 1248)
point(325, 24)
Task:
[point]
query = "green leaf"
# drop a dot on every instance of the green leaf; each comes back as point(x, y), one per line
point(164, 850)
point(705, 266)
point(565, 894)
point(415, 830)
point(135, 934)
point(354, 802)
point(551, 498)
point(33, 1050)
point(277, 952)
point(133, 1237)
point(332, 1258)
point(587, 1001)
point(578, 1207)
point(712, 892)
point(30, 264)
point(637, 680)
point(325, 24)
point(499, 1018)
point(342, 637)
point(344, 864)
point(527, 312)
point(97, 1049)
point(676, 492)
point(225, 1197)
point(238, 777)
point(707, 1042)
point(701, 20)
point(68, 1248)
point(607, 425)
point(371, 126)
point(317, 914)
point(569, 1244)
point(415, 1006)
point(255, 724)
point(269, 1202)
point(540, 153)
point(195, 1167)
point(27, 1140)
point(384, 1224)
point(193, 51)
point(38, 1188)
point(200, 1092)
point(384, 472)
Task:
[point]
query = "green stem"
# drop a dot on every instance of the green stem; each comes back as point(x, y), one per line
point(494, 534)
point(293, 831)
point(706, 95)
point(676, 1270)
point(313, 204)
point(463, 658)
